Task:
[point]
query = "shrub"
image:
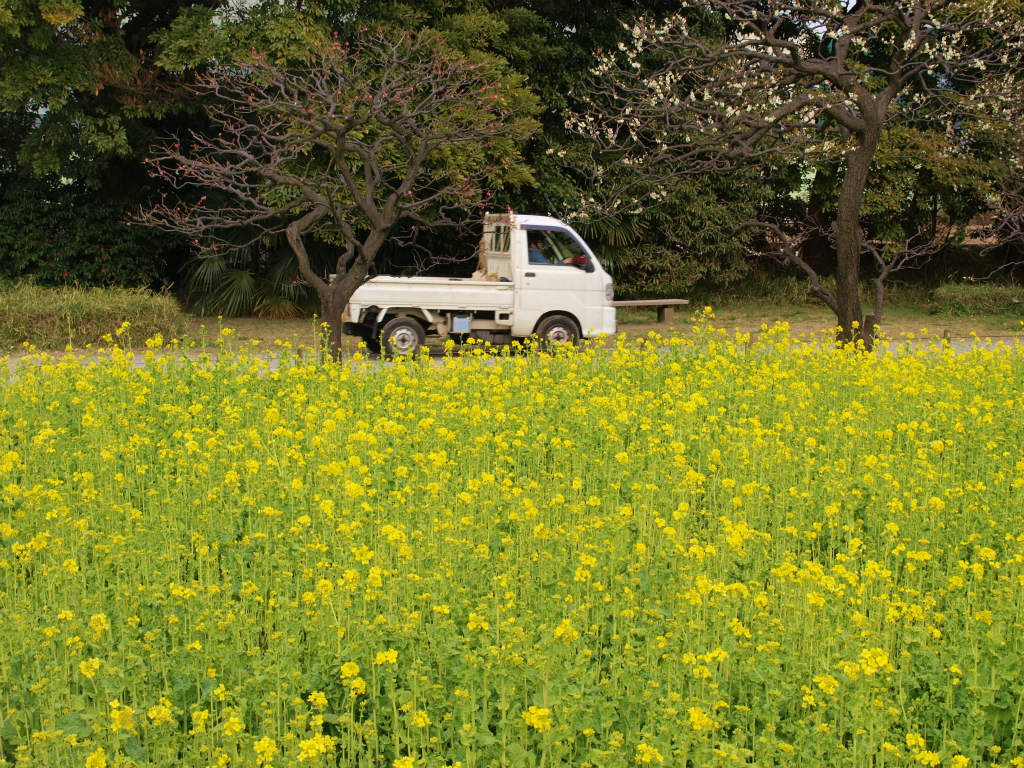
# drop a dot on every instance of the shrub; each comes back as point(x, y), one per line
point(61, 234)
point(51, 318)
point(975, 298)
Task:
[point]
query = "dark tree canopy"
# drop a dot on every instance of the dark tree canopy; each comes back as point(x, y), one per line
point(86, 87)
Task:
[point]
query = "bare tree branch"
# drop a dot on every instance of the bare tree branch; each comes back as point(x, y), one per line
point(807, 80)
point(383, 129)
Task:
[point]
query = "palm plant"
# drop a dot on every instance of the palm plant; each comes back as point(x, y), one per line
point(262, 280)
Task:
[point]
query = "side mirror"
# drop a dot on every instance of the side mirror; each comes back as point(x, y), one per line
point(581, 261)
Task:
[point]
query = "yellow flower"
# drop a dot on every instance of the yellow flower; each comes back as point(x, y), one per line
point(99, 623)
point(325, 588)
point(357, 686)
point(349, 669)
point(738, 628)
point(97, 759)
point(827, 684)
point(89, 667)
point(161, 713)
point(538, 718)
point(700, 720)
point(233, 725)
point(476, 621)
point(960, 761)
point(647, 754)
point(851, 669)
point(199, 719)
point(390, 656)
point(315, 747)
point(122, 718)
point(872, 660)
point(265, 750)
point(318, 700)
point(566, 632)
point(403, 762)
point(420, 719)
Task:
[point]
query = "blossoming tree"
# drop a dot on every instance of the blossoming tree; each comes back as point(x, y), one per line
point(387, 128)
point(736, 81)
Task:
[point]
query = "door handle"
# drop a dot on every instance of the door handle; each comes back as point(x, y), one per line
point(529, 274)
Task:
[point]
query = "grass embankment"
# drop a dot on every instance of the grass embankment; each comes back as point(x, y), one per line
point(53, 318)
point(954, 310)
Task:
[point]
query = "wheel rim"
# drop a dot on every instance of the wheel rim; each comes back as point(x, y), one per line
point(403, 341)
point(560, 333)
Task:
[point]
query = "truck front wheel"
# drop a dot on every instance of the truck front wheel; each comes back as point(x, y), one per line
point(402, 336)
point(558, 329)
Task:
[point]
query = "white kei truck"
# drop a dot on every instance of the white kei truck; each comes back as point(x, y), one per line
point(535, 275)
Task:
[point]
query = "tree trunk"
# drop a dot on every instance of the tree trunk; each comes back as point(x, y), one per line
point(848, 239)
point(333, 304)
point(351, 271)
point(333, 307)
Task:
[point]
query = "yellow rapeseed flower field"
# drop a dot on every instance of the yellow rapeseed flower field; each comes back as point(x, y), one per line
point(688, 550)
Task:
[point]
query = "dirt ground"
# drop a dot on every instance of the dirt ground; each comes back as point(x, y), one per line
point(743, 318)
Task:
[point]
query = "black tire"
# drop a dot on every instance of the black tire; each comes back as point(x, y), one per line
point(558, 329)
point(402, 336)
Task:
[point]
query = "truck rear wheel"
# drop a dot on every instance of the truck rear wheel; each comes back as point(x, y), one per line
point(558, 329)
point(402, 336)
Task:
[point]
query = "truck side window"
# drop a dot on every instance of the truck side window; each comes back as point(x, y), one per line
point(559, 249)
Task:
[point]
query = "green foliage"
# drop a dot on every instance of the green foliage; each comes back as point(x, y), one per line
point(773, 286)
point(52, 318)
point(64, 233)
point(922, 184)
point(84, 77)
point(201, 35)
point(263, 280)
point(688, 235)
point(976, 298)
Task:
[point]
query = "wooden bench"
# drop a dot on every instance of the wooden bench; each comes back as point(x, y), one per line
point(665, 307)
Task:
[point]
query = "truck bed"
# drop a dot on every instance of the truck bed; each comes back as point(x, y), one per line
point(436, 293)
